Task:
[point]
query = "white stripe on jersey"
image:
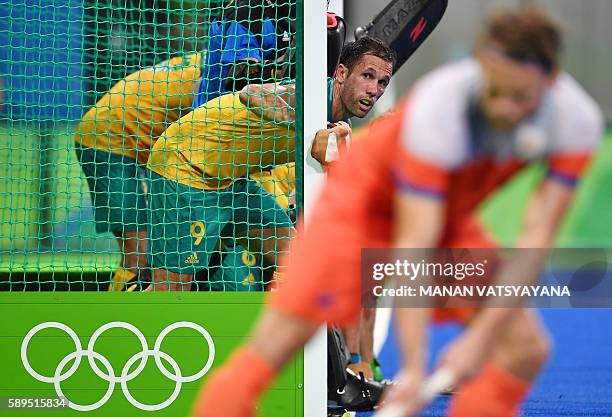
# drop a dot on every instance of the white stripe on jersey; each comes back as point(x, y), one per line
point(436, 126)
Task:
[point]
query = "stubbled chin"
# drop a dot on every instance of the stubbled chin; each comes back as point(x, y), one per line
point(501, 125)
point(364, 111)
point(358, 113)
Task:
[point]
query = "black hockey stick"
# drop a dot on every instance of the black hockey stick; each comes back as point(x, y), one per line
point(404, 25)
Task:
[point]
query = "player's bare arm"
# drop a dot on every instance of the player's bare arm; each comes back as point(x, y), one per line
point(466, 356)
point(418, 223)
point(273, 102)
point(545, 211)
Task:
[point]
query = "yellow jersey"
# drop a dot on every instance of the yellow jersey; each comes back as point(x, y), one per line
point(280, 182)
point(135, 112)
point(219, 142)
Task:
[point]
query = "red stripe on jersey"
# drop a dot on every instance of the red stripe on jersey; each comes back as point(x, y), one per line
point(569, 165)
point(414, 172)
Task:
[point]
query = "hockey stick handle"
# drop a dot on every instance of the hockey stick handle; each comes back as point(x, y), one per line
point(440, 380)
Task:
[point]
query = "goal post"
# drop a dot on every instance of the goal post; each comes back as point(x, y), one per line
point(58, 61)
point(314, 115)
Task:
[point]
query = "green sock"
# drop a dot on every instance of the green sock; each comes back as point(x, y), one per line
point(378, 376)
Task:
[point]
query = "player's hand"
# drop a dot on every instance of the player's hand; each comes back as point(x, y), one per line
point(405, 393)
point(329, 144)
point(222, 396)
point(466, 355)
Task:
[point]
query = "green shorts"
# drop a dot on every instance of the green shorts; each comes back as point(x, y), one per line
point(240, 270)
point(186, 223)
point(117, 185)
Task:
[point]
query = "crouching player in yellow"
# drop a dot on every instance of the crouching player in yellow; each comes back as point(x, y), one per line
point(112, 144)
point(200, 188)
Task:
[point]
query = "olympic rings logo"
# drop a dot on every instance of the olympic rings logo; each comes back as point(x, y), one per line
point(125, 376)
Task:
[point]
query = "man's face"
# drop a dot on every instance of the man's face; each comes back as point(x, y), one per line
point(361, 87)
point(512, 90)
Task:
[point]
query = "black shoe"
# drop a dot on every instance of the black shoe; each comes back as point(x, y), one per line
point(335, 411)
point(359, 393)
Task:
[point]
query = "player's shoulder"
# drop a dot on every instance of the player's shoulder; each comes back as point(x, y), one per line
point(434, 125)
point(226, 108)
point(222, 102)
point(579, 121)
point(575, 103)
point(207, 116)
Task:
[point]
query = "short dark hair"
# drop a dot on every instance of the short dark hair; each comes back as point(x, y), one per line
point(353, 51)
point(526, 35)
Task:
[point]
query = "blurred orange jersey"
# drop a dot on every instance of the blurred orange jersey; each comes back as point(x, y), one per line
point(437, 144)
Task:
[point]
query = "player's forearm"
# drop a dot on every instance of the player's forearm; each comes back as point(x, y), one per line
point(275, 109)
point(279, 112)
point(417, 224)
point(412, 330)
point(266, 101)
point(545, 212)
point(522, 267)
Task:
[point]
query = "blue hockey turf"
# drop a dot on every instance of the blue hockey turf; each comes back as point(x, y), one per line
point(577, 382)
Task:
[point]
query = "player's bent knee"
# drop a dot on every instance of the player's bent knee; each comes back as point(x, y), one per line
point(534, 352)
point(525, 348)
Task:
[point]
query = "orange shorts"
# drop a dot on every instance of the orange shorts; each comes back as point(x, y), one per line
point(466, 233)
point(323, 282)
